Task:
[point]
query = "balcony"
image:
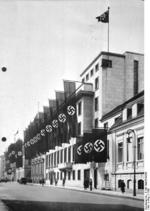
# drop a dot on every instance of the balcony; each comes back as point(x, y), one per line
point(65, 166)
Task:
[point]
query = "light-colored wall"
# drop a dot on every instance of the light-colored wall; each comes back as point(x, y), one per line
point(130, 57)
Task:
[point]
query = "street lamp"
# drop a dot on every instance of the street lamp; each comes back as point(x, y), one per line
point(134, 157)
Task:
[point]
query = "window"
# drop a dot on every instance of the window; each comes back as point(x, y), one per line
point(69, 175)
point(120, 152)
point(91, 72)
point(129, 184)
point(108, 149)
point(96, 104)
point(83, 80)
point(87, 77)
point(61, 156)
point(129, 113)
point(79, 128)
point(135, 77)
point(96, 67)
point(57, 175)
point(129, 149)
point(96, 123)
point(79, 174)
point(58, 157)
point(106, 125)
point(140, 184)
point(140, 148)
point(61, 175)
point(106, 63)
point(79, 108)
point(73, 174)
point(140, 108)
point(96, 83)
point(69, 154)
point(65, 155)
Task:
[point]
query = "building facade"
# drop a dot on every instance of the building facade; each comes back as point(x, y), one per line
point(109, 81)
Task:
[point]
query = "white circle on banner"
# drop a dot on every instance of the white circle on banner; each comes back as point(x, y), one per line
point(88, 147)
point(79, 150)
point(62, 117)
point(19, 153)
point(55, 123)
point(99, 145)
point(42, 132)
point(48, 128)
point(71, 110)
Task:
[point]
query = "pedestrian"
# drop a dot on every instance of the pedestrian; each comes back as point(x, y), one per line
point(122, 186)
point(64, 182)
point(42, 181)
point(90, 183)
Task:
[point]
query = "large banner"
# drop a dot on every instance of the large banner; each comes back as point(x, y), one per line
point(93, 147)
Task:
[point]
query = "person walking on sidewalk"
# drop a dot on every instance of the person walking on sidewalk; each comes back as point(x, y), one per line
point(122, 186)
point(90, 183)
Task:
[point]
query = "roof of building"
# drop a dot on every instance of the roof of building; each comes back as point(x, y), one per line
point(110, 54)
point(119, 108)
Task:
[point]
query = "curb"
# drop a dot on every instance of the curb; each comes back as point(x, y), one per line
point(97, 193)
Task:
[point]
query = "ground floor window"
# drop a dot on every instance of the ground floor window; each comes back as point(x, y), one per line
point(73, 174)
point(140, 184)
point(129, 184)
point(79, 174)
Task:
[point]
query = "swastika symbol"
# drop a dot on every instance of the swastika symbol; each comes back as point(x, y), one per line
point(42, 132)
point(71, 110)
point(79, 150)
point(88, 147)
point(62, 117)
point(55, 123)
point(38, 136)
point(48, 128)
point(99, 145)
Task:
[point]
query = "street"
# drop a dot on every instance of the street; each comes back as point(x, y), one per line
point(34, 197)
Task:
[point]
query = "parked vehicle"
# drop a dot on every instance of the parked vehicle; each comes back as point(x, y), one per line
point(23, 180)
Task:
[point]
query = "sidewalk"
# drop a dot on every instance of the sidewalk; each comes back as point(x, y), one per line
point(127, 194)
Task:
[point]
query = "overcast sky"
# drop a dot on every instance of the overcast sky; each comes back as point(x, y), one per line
point(43, 42)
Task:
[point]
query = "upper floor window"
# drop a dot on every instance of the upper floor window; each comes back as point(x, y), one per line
point(106, 63)
point(135, 77)
point(79, 108)
point(96, 83)
point(83, 80)
point(140, 108)
point(96, 104)
point(69, 154)
point(106, 125)
point(91, 72)
point(96, 123)
point(65, 155)
point(87, 77)
point(140, 148)
point(96, 67)
point(79, 128)
point(129, 113)
point(120, 152)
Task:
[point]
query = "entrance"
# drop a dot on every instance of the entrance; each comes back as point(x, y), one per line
point(95, 178)
point(86, 177)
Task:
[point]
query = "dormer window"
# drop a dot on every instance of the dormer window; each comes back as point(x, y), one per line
point(129, 113)
point(140, 108)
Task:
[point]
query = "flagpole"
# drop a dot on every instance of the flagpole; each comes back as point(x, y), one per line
point(108, 33)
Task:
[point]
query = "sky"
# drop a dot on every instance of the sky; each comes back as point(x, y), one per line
point(45, 41)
